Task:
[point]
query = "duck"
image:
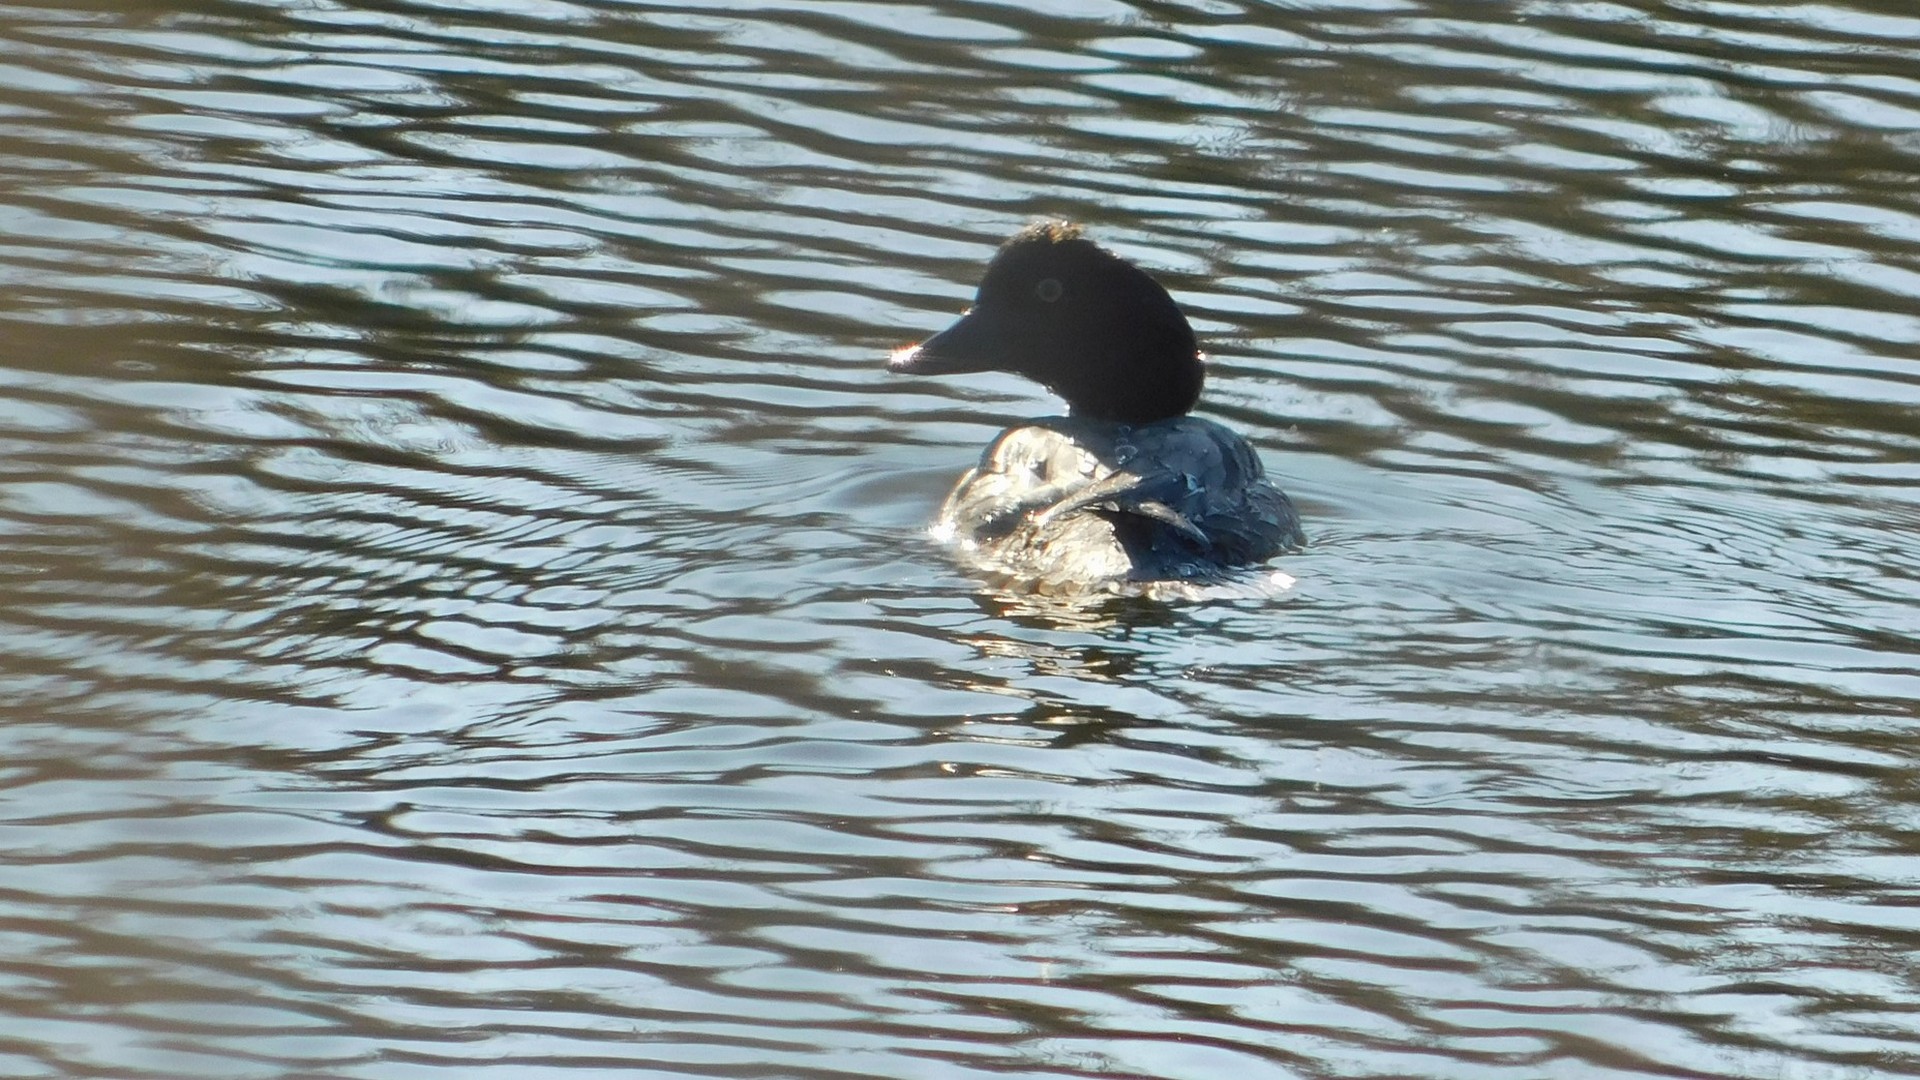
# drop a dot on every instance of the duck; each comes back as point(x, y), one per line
point(1128, 491)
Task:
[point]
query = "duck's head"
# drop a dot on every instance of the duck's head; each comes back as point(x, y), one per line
point(1077, 319)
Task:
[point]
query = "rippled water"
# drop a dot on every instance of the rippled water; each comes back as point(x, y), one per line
point(467, 611)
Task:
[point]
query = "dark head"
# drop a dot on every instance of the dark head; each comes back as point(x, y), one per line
point(1077, 319)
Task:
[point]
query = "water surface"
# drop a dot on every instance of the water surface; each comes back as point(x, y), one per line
point(467, 609)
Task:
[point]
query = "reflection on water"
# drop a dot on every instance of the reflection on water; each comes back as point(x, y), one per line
point(468, 608)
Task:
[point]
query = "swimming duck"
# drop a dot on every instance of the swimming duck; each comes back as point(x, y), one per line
point(1127, 491)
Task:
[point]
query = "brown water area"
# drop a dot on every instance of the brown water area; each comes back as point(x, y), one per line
point(466, 606)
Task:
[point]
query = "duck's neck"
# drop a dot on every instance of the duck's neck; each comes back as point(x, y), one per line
point(1143, 390)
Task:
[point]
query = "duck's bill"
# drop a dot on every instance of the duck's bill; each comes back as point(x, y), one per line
point(964, 346)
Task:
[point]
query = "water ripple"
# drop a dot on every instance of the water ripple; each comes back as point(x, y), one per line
point(468, 605)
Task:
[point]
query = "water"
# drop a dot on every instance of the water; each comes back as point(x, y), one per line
point(467, 610)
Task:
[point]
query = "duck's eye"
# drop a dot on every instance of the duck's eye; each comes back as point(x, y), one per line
point(1049, 289)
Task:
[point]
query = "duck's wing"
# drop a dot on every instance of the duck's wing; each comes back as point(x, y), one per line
point(1209, 477)
point(1149, 495)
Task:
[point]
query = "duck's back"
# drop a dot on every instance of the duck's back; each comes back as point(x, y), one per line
point(1071, 504)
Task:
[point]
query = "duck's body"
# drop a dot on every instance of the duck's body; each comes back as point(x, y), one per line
point(1068, 504)
point(1129, 490)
